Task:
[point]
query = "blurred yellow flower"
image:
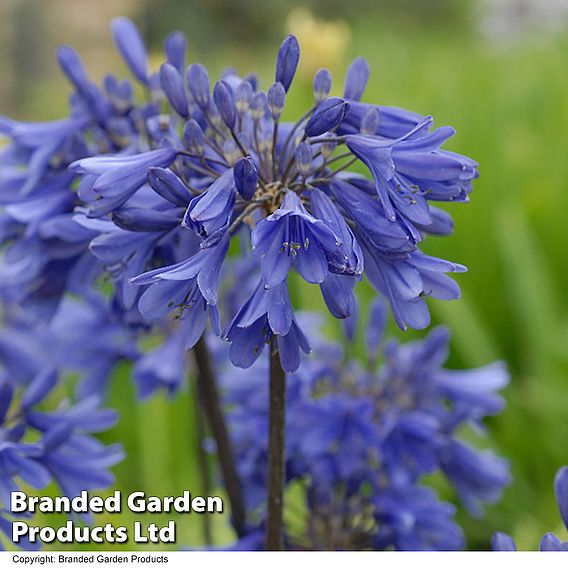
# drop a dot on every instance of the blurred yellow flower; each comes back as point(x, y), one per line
point(323, 43)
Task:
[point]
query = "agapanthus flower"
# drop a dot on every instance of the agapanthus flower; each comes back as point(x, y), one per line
point(85, 337)
point(361, 438)
point(39, 446)
point(45, 252)
point(267, 313)
point(549, 542)
point(221, 164)
point(163, 367)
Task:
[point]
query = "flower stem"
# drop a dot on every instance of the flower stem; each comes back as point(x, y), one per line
point(211, 404)
point(203, 465)
point(276, 450)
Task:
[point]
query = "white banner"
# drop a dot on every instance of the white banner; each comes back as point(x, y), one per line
point(283, 559)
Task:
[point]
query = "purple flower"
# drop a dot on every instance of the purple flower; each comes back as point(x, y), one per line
point(131, 46)
point(163, 367)
point(412, 169)
point(327, 116)
point(360, 439)
point(356, 79)
point(501, 542)
point(415, 520)
point(292, 237)
point(266, 313)
point(172, 84)
point(119, 177)
point(406, 283)
point(175, 46)
point(191, 170)
point(210, 212)
point(190, 288)
point(39, 447)
point(287, 62)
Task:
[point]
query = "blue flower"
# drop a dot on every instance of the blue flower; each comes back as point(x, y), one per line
point(356, 79)
point(266, 313)
point(41, 143)
point(238, 169)
point(292, 237)
point(131, 47)
point(287, 61)
point(210, 212)
point(189, 287)
point(38, 446)
point(83, 337)
point(39, 189)
point(477, 476)
point(408, 281)
point(413, 519)
point(412, 169)
point(163, 367)
point(119, 177)
point(501, 542)
point(172, 84)
point(360, 439)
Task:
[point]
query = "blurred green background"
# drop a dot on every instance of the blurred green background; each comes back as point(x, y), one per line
point(496, 71)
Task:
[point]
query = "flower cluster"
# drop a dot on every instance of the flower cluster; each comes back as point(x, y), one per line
point(45, 251)
point(45, 437)
point(361, 438)
point(203, 197)
point(38, 447)
point(83, 337)
point(168, 191)
point(502, 542)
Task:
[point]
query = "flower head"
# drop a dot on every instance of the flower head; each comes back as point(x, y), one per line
point(200, 164)
point(360, 439)
point(38, 446)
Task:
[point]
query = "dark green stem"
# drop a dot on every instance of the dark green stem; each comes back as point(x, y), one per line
point(211, 404)
point(276, 451)
point(203, 465)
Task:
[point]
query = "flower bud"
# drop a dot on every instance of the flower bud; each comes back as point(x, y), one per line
point(175, 46)
point(246, 177)
point(287, 61)
point(356, 79)
point(167, 185)
point(198, 83)
point(327, 116)
point(144, 220)
point(172, 85)
point(322, 85)
point(72, 66)
point(131, 46)
point(225, 103)
point(304, 158)
point(276, 100)
point(243, 95)
point(194, 137)
point(258, 106)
